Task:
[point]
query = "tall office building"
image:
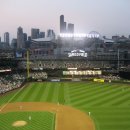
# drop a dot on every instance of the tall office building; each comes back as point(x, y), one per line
point(20, 38)
point(34, 33)
point(6, 38)
point(65, 27)
point(70, 28)
point(25, 40)
point(14, 43)
point(50, 33)
point(62, 24)
point(25, 36)
point(0, 39)
point(42, 35)
point(29, 38)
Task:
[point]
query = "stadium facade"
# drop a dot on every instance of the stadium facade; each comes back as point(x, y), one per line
point(80, 52)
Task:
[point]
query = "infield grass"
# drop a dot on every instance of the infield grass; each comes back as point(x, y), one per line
point(39, 120)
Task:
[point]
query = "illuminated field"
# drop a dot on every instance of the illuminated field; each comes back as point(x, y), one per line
point(108, 103)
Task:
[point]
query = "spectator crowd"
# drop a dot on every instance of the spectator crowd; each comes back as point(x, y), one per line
point(10, 81)
point(110, 77)
point(38, 75)
point(40, 65)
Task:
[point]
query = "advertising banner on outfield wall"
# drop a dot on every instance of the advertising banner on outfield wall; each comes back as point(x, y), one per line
point(86, 72)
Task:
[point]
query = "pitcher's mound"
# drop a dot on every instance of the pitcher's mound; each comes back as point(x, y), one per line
point(19, 123)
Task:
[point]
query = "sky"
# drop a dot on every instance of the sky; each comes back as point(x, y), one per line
point(108, 17)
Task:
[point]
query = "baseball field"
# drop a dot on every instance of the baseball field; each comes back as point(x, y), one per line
point(66, 106)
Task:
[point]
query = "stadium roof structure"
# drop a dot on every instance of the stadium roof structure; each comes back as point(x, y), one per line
point(108, 41)
point(79, 51)
point(47, 39)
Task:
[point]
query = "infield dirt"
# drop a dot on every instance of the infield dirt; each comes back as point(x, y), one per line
point(19, 123)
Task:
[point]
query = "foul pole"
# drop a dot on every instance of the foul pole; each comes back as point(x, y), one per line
point(118, 59)
point(28, 64)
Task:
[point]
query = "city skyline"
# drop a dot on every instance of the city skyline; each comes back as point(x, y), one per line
point(105, 16)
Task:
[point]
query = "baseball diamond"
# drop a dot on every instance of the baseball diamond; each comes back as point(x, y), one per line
point(105, 105)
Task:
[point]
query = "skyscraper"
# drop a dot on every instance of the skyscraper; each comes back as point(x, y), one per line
point(62, 24)
point(42, 35)
point(14, 43)
point(6, 38)
point(64, 27)
point(29, 38)
point(25, 37)
point(70, 28)
point(34, 33)
point(50, 33)
point(20, 38)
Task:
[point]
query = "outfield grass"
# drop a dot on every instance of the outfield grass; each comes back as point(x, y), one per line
point(39, 120)
point(108, 103)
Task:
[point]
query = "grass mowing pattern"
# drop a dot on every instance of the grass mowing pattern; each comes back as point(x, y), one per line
point(108, 103)
point(61, 94)
point(39, 120)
